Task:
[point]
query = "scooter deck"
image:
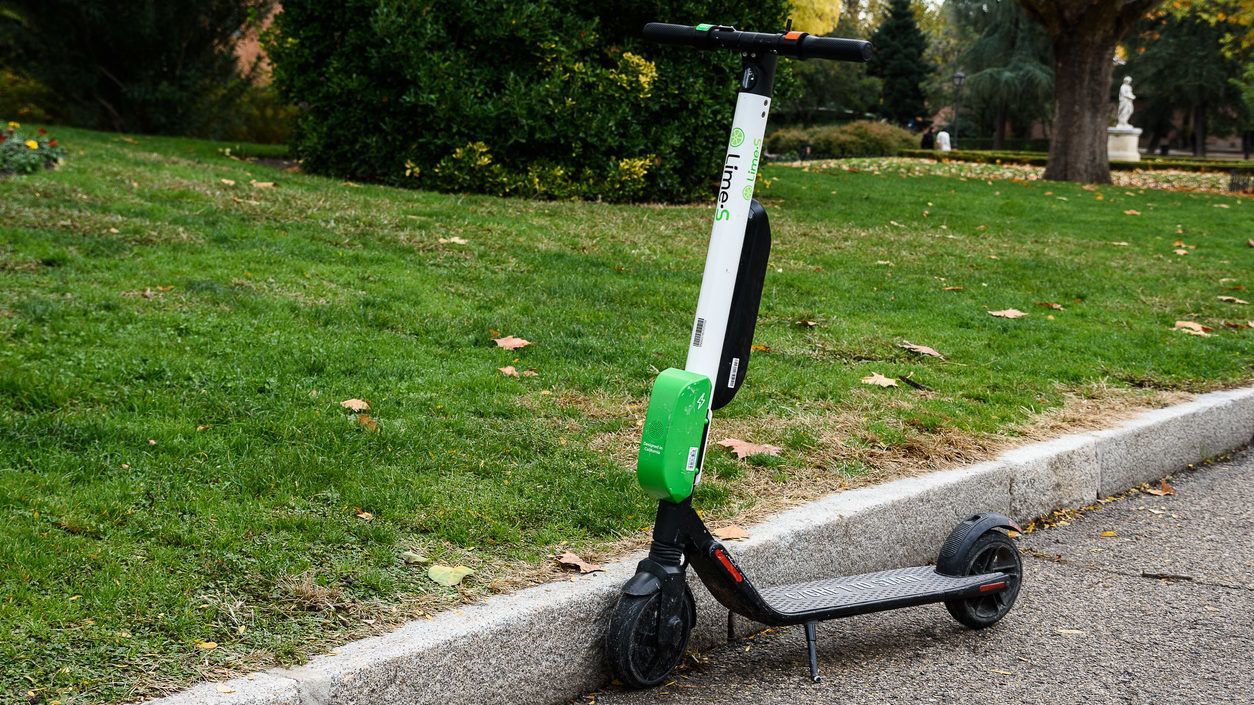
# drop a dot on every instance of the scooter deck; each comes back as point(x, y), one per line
point(874, 592)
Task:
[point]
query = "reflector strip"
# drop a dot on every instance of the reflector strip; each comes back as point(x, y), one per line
point(727, 564)
point(992, 586)
point(793, 36)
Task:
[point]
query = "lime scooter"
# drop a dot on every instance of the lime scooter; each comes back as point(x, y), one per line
point(978, 573)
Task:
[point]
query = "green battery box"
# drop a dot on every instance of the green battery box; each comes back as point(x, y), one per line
point(674, 431)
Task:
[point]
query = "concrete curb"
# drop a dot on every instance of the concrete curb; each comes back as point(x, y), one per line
point(543, 645)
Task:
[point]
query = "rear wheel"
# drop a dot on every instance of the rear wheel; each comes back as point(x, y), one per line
point(994, 552)
point(639, 653)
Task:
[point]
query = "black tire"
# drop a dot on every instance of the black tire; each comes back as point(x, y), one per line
point(635, 654)
point(992, 552)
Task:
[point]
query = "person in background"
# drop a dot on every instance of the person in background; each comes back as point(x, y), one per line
point(942, 141)
point(929, 138)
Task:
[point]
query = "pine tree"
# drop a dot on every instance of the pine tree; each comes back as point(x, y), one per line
point(899, 47)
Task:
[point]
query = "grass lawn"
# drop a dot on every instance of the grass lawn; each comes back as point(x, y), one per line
point(175, 342)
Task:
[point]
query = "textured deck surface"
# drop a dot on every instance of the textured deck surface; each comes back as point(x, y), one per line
point(860, 589)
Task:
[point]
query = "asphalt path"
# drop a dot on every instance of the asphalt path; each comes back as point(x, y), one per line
point(1146, 599)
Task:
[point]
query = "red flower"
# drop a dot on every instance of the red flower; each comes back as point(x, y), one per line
point(3, 138)
point(52, 142)
point(42, 131)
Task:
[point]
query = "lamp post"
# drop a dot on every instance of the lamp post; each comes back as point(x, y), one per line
point(959, 79)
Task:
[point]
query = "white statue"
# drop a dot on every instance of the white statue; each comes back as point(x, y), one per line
point(1125, 102)
point(942, 141)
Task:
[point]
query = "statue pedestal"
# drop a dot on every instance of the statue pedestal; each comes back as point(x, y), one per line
point(1121, 144)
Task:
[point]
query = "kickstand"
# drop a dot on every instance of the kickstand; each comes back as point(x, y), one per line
point(812, 645)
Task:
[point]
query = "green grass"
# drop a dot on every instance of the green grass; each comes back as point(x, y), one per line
point(175, 466)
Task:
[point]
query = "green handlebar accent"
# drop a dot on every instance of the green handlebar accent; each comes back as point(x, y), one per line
point(704, 27)
point(674, 430)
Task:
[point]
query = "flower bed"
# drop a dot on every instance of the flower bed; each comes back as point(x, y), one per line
point(24, 152)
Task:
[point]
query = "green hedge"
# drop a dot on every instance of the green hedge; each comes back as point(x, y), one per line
point(548, 99)
point(1041, 158)
point(864, 138)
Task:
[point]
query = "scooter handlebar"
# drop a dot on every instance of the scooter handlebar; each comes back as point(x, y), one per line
point(795, 44)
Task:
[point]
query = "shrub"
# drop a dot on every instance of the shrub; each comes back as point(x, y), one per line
point(27, 152)
point(864, 138)
point(548, 99)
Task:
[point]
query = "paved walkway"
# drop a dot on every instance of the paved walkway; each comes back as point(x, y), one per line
point(1092, 625)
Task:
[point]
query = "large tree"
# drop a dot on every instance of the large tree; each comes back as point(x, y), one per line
point(1084, 34)
point(167, 67)
point(899, 62)
point(1009, 64)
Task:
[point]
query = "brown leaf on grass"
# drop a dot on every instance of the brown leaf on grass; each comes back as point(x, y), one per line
point(1232, 300)
point(414, 558)
point(355, 405)
point(807, 324)
point(206, 645)
point(529, 373)
point(879, 380)
point(1193, 328)
point(1008, 313)
point(1250, 243)
point(744, 449)
point(761, 348)
point(367, 423)
point(952, 288)
point(1239, 324)
point(508, 371)
point(363, 514)
point(1121, 243)
point(1163, 489)
point(262, 184)
point(1131, 211)
point(921, 349)
point(452, 241)
point(510, 342)
point(730, 532)
point(570, 560)
point(227, 182)
point(1180, 251)
point(1050, 304)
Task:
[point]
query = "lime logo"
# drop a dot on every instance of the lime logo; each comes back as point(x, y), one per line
point(738, 137)
point(748, 192)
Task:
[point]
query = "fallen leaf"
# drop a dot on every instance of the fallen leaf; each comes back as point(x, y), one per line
point(367, 423)
point(1131, 212)
point(807, 324)
point(1193, 328)
point(509, 342)
point(508, 371)
point(448, 576)
point(452, 241)
point(921, 349)
point(1108, 534)
point(953, 288)
point(227, 182)
point(1239, 324)
point(1221, 205)
point(1050, 304)
point(1120, 244)
point(363, 514)
point(529, 373)
point(761, 348)
point(1163, 489)
point(1232, 300)
point(206, 645)
point(744, 449)
point(355, 405)
point(262, 184)
point(570, 560)
point(879, 380)
point(731, 532)
point(1071, 631)
point(1250, 243)
point(1008, 313)
point(412, 558)
point(224, 688)
point(1180, 252)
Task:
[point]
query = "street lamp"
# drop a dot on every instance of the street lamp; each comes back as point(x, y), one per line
point(959, 79)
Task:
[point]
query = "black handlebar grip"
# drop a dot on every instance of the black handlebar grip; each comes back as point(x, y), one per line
point(664, 33)
point(811, 47)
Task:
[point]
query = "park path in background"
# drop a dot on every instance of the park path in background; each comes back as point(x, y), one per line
point(1162, 611)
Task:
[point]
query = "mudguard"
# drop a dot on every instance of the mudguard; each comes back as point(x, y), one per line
point(964, 536)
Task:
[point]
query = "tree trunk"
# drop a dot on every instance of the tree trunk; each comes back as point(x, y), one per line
point(999, 133)
point(1082, 70)
point(1199, 130)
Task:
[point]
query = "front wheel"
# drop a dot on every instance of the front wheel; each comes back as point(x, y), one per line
point(643, 643)
point(993, 552)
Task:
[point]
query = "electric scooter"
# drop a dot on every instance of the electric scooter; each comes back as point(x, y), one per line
point(978, 572)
